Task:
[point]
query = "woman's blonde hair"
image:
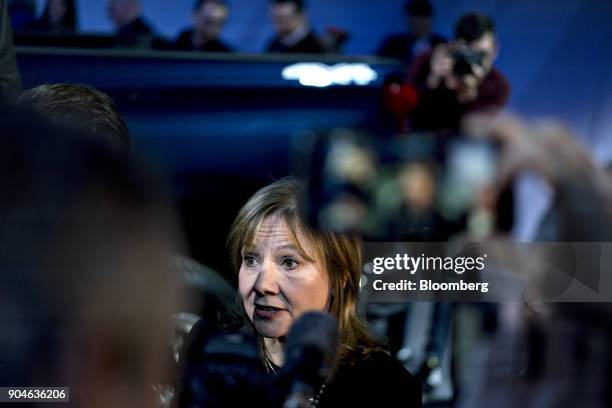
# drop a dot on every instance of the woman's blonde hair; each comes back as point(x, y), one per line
point(340, 254)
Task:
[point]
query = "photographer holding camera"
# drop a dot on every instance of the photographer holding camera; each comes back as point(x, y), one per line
point(458, 78)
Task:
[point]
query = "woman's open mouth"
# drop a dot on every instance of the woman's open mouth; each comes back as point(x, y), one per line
point(267, 312)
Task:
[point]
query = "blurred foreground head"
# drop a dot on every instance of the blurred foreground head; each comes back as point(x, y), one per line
point(85, 284)
point(80, 106)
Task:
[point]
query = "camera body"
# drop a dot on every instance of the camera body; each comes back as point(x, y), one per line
point(222, 368)
point(465, 60)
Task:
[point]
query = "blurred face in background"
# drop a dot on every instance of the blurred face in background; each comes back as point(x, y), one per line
point(57, 10)
point(487, 45)
point(417, 185)
point(419, 26)
point(280, 279)
point(209, 19)
point(122, 12)
point(286, 18)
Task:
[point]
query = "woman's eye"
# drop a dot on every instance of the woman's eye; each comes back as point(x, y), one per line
point(290, 263)
point(249, 260)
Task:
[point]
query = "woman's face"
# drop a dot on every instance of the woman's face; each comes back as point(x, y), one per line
point(276, 283)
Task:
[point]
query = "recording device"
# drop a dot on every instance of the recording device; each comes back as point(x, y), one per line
point(223, 367)
point(465, 60)
point(311, 350)
point(419, 186)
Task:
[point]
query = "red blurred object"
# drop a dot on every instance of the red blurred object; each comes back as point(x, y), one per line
point(400, 100)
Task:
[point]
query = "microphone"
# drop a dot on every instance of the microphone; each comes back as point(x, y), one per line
point(311, 351)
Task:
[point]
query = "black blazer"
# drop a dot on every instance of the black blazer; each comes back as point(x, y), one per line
point(307, 45)
point(184, 43)
point(377, 381)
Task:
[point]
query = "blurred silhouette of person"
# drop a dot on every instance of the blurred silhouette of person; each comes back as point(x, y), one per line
point(294, 35)
point(81, 105)
point(58, 17)
point(85, 283)
point(546, 352)
point(10, 81)
point(132, 30)
point(454, 80)
point(418, 39)
point(459, 78)
point(208, 19)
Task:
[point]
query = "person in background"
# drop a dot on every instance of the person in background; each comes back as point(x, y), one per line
point(452, 81)
point(132, 30)
point(58, 17)
point(418, 39)
point(458, 78)
point(10, 81)
point(294, 35)
point(79, 105)
point(208, 19)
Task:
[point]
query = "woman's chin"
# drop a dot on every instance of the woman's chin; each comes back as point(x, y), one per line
point(271, 329)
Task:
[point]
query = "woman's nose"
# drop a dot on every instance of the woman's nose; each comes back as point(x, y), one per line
point(267, 279)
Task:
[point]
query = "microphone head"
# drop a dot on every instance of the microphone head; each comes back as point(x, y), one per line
point(312, 344)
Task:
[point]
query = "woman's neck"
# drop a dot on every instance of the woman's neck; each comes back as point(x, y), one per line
point(274, 350)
